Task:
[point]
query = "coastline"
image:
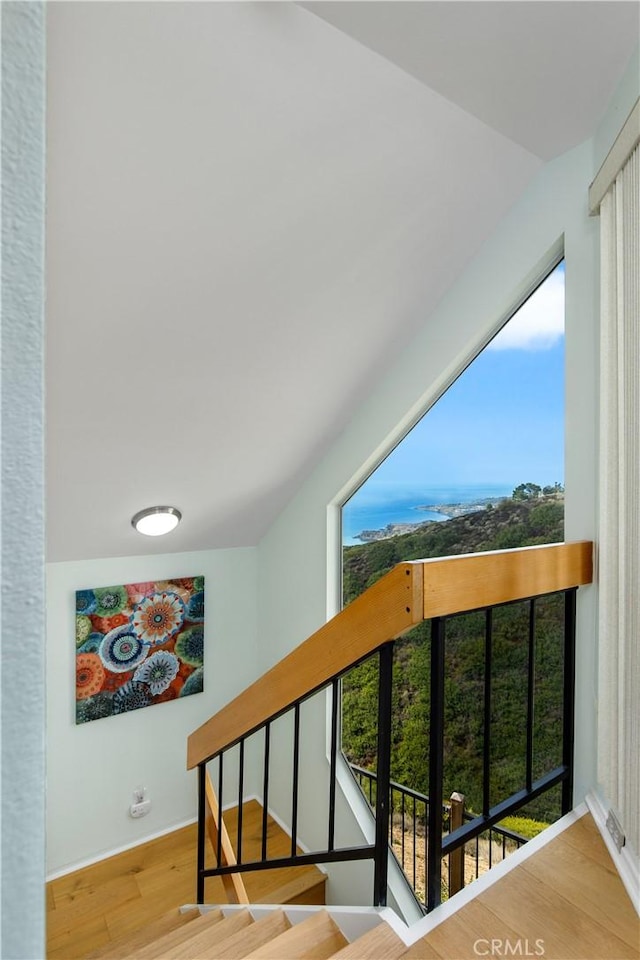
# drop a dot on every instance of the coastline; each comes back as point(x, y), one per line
point(448, 511)
point(451, 510)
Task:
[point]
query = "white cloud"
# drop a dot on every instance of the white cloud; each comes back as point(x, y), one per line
point(539, 323)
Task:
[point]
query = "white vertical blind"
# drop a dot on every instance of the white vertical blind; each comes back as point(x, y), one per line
point(619, 593)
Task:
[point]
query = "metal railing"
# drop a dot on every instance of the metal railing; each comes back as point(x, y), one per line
point(441, 844)
point(377, 851)
point(408, 594)
point(408, 836)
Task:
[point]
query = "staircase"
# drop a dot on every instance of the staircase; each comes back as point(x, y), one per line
point(280, 934)
point(564, 897)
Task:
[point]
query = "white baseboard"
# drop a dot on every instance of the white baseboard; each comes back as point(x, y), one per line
point(626, 862)
point(105, 854)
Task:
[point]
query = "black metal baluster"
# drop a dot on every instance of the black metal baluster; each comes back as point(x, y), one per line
point(332, 771)
point(490, 847)
point(530, 691)
point(265, 788)
point(414, 843)
point(486, 742)
point(202, 774)
point(381, 862)
point(296, 764)
point(436, 745)
point(568, 719)
point(403, 826)
point(219, 840)
point(240, 800)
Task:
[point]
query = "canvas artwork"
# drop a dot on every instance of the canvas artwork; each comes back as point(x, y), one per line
point(138, 644)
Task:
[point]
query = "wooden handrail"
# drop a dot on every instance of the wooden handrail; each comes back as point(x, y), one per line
point(411, 592)
point(471, 581)
point(386, 610)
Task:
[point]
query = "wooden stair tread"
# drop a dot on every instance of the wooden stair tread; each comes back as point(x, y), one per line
point(237, 946)
point(379, 943)
point(316, 938)
point(423, 950)
point(174, 937)
point(125, 945)
point(201, 943)
point(298, 885)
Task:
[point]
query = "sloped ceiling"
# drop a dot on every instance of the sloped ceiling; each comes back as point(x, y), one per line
point(540, 73)
point(250, 211)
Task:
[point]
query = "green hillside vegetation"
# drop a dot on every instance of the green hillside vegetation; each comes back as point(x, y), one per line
point(523, 521)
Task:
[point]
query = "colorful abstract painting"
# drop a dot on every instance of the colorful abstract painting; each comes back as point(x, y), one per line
point(138, 644)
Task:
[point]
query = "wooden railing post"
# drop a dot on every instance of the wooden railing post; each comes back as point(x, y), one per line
point(456, 858)
point(220, 840)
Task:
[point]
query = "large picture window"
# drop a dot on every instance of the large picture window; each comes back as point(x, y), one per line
point(482, 470)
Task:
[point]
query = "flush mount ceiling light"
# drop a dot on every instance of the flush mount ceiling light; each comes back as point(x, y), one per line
point(155, 521)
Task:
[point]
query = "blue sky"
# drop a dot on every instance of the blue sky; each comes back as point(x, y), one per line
point(500, 423)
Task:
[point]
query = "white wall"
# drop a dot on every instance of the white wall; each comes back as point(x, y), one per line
point(22, 689)
point(298, 587)
point(93, 768)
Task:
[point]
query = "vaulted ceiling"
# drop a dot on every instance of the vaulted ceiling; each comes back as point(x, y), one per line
point(251, 208)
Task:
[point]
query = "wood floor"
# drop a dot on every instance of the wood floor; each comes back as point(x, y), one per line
point(564, 903)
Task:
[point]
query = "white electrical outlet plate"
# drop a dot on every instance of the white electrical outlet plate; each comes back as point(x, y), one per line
point(616, 831)
point(140, 809)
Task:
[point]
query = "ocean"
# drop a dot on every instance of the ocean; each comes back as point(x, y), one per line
point(375, 515)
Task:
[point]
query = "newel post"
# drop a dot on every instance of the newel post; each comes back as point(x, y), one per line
point(456, 857)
